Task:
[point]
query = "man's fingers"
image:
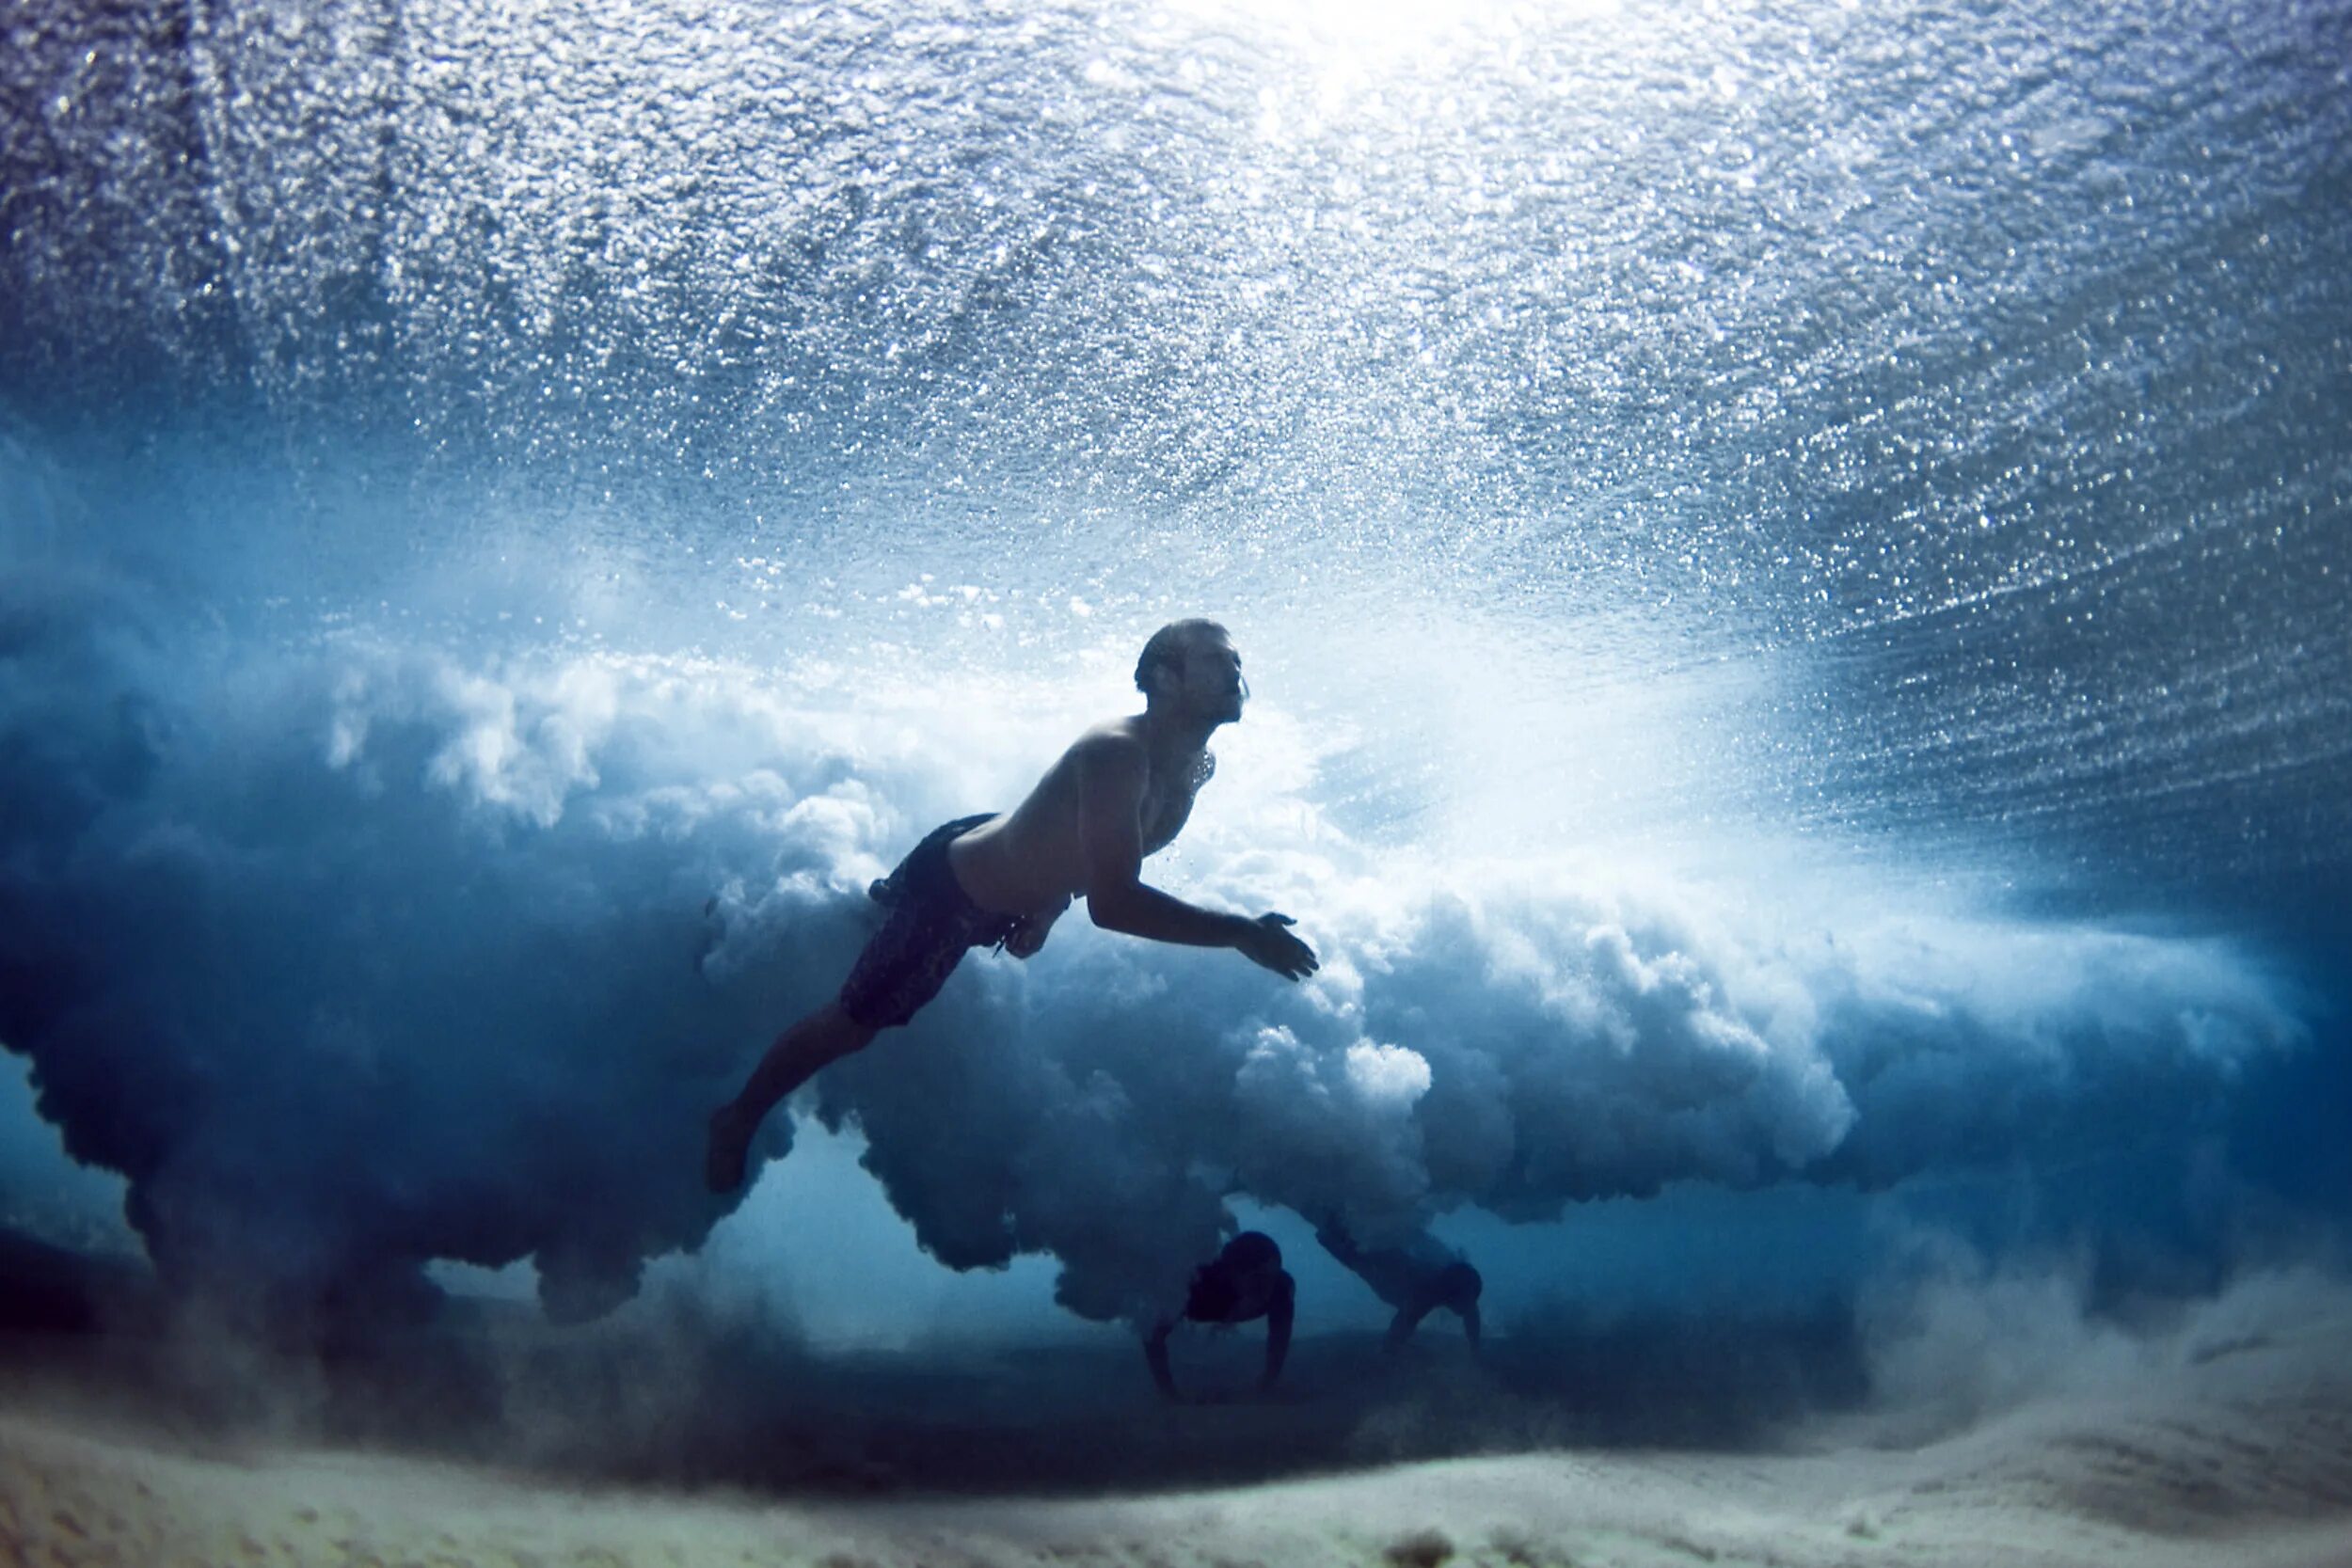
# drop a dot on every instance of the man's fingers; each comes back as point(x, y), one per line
point(1293, 960)
point(1300, 960)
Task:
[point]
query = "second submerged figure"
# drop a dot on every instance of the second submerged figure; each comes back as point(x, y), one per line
point(1122, 791)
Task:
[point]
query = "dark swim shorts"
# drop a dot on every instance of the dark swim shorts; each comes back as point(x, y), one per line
point(931, 924)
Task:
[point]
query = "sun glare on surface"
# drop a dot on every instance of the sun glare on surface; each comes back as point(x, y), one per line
point(1346, 37)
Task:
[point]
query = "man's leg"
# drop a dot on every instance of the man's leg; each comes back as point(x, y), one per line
point(1401, 1326)
point(822, 1037)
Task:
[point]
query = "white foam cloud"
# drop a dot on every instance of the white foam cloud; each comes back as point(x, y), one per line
point(363, 954)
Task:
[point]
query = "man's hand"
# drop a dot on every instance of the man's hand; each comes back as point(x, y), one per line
point(1029, 931)
point(1267, 942)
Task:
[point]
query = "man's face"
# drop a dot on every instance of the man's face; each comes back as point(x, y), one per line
point(1211, 677)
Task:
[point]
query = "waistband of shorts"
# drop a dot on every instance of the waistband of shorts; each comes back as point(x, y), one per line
point(927, 873)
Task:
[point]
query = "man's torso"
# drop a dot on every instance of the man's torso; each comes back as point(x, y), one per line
point(1233, 1296)
point(1034, 856)
point(1403, 1276)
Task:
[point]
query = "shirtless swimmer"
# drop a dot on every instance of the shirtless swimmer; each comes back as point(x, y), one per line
point(1122, 791)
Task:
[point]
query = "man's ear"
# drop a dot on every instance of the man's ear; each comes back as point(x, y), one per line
point(1168, 670)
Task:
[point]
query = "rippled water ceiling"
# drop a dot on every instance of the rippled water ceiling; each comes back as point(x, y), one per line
point(1968, 386)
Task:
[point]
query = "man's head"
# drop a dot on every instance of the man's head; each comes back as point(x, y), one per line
point(1191, 667)
point(1252, 1252)
point(1459, 1287)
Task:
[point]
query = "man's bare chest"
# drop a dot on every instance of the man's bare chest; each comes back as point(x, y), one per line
point(1168, 800)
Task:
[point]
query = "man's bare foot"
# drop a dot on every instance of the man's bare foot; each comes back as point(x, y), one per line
point(729, 1150)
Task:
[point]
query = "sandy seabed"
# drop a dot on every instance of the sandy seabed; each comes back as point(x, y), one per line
point(2241, 1453)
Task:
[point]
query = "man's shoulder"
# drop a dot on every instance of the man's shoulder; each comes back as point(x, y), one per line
point(1111, 745)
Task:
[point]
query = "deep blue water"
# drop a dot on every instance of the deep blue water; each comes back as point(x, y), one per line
point(1793, 561)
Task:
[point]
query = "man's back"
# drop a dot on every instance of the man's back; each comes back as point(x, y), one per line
point(1399, 1276)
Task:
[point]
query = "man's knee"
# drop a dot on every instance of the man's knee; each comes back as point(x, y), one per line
point(842, 1031)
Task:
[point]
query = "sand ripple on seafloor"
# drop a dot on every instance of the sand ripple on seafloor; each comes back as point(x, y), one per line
point(2247, 1460)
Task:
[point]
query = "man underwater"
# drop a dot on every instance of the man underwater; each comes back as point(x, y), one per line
point(1122, 791)
point(1245, 1281)
point(1416, 1278)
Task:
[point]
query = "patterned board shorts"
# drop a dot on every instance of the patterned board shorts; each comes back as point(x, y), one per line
point(931, 924)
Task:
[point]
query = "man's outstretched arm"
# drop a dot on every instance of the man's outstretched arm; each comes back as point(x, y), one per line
point(1278, 1332)
point(1155, 1356)
point(1113, 777)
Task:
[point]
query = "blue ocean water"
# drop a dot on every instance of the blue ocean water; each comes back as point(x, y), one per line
point(1792, 560)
